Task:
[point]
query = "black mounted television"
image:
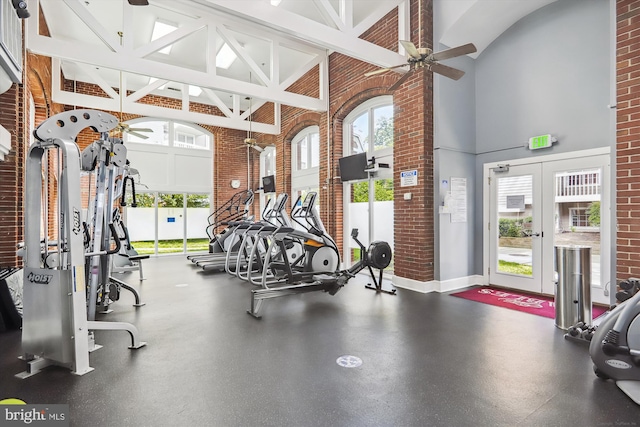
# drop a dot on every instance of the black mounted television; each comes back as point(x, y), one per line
point(353, 167)
point(269, 184)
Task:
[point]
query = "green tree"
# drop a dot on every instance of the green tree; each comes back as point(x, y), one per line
point(383, 189)
point(383, 132)
point(594, 214)
point(360, 191)
point(143, 200)
point(146, 200)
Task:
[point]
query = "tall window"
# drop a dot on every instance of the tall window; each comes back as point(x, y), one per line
point(267, 167)
point(174, 182)
point(305, 162)
point(368, 204)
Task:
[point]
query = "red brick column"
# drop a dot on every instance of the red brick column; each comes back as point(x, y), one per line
point(12, 178)
point(628, 138)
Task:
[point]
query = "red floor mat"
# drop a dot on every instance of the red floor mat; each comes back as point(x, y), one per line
point(534, 304)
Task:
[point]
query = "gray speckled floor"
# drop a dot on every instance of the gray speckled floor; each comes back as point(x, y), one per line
point(428, 360)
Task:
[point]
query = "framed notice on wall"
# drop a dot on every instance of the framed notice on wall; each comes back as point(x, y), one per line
point(458, 199)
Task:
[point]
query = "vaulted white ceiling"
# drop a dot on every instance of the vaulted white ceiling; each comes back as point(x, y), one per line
point(108, 43)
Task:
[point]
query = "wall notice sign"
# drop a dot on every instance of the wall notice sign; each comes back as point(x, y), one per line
point(458, 199)
point(515, 202)
point(409, 178)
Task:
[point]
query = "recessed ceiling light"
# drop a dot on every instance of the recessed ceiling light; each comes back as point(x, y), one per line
point(161, 29)
point(225, 57)
point(275, 2)
point(194, 90)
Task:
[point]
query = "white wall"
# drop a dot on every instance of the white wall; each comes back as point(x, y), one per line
point(383, 222)
point(141, 223)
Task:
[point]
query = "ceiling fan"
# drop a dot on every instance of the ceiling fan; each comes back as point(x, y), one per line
point(423, 57)
point(124, 127)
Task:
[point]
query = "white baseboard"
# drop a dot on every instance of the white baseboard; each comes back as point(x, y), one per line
point(436, 285)
point(414, 285)
point(460, 283)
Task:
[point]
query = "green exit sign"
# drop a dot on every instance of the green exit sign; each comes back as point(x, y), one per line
point(542, 141)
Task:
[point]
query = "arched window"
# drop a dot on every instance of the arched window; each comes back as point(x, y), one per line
point(267, 168)
point(305, 162)
point(368, 204)
point(168, 133)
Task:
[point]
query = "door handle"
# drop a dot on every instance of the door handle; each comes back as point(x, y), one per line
point(537, 234)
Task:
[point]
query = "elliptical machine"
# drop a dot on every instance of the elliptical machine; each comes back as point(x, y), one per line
point(615, 348)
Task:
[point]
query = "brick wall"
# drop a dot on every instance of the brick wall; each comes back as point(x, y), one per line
point(348, 88)
point(628, 138)
point(11, 177)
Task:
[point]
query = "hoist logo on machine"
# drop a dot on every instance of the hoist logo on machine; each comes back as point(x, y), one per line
point(76, 221)
point(43, 279)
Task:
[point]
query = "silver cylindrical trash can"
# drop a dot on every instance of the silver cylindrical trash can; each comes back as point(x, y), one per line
point(573, 288)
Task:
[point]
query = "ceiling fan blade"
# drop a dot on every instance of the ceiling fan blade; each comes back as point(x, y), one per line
point(452, 73)
point(139, 129)
point(139, 2)
point(453, 52)
point(258, 148)
point(383, 70)
point(136, 134)
point(401, 80)
point(410, 48)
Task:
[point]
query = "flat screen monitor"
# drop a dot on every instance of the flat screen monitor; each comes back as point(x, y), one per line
point(269, 184)
point(353, 167)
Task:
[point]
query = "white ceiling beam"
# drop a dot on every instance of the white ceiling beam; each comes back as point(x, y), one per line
point(77, 52)
point(212, 37)
point(329, 14)
point(91, 71)
point(107, 104)
point(171, 38)
point(249, 111)
point(311, 31)
point(303, 70)
point(404, 24)
point(381, 10)
point(127, 27)
point(94, 25)
point(244, 56)
point(346, 12)
point(144, 91)
point(218, 102)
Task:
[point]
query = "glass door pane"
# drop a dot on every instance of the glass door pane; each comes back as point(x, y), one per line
point(171, 223)
point(516, 228)
point(577, 213)
point(141, 222)
point(515, 212)
point(383, 225)
point(358, 211)
point(198, 209)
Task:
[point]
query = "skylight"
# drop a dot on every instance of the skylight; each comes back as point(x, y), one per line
point(161, 29)
point(225, 57)
point(194, 90)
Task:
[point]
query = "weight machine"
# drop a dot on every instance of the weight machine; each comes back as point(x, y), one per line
point(106, 157)
point(56, 330)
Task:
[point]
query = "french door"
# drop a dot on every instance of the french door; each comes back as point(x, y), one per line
point(516, 227)
point(536, 206)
